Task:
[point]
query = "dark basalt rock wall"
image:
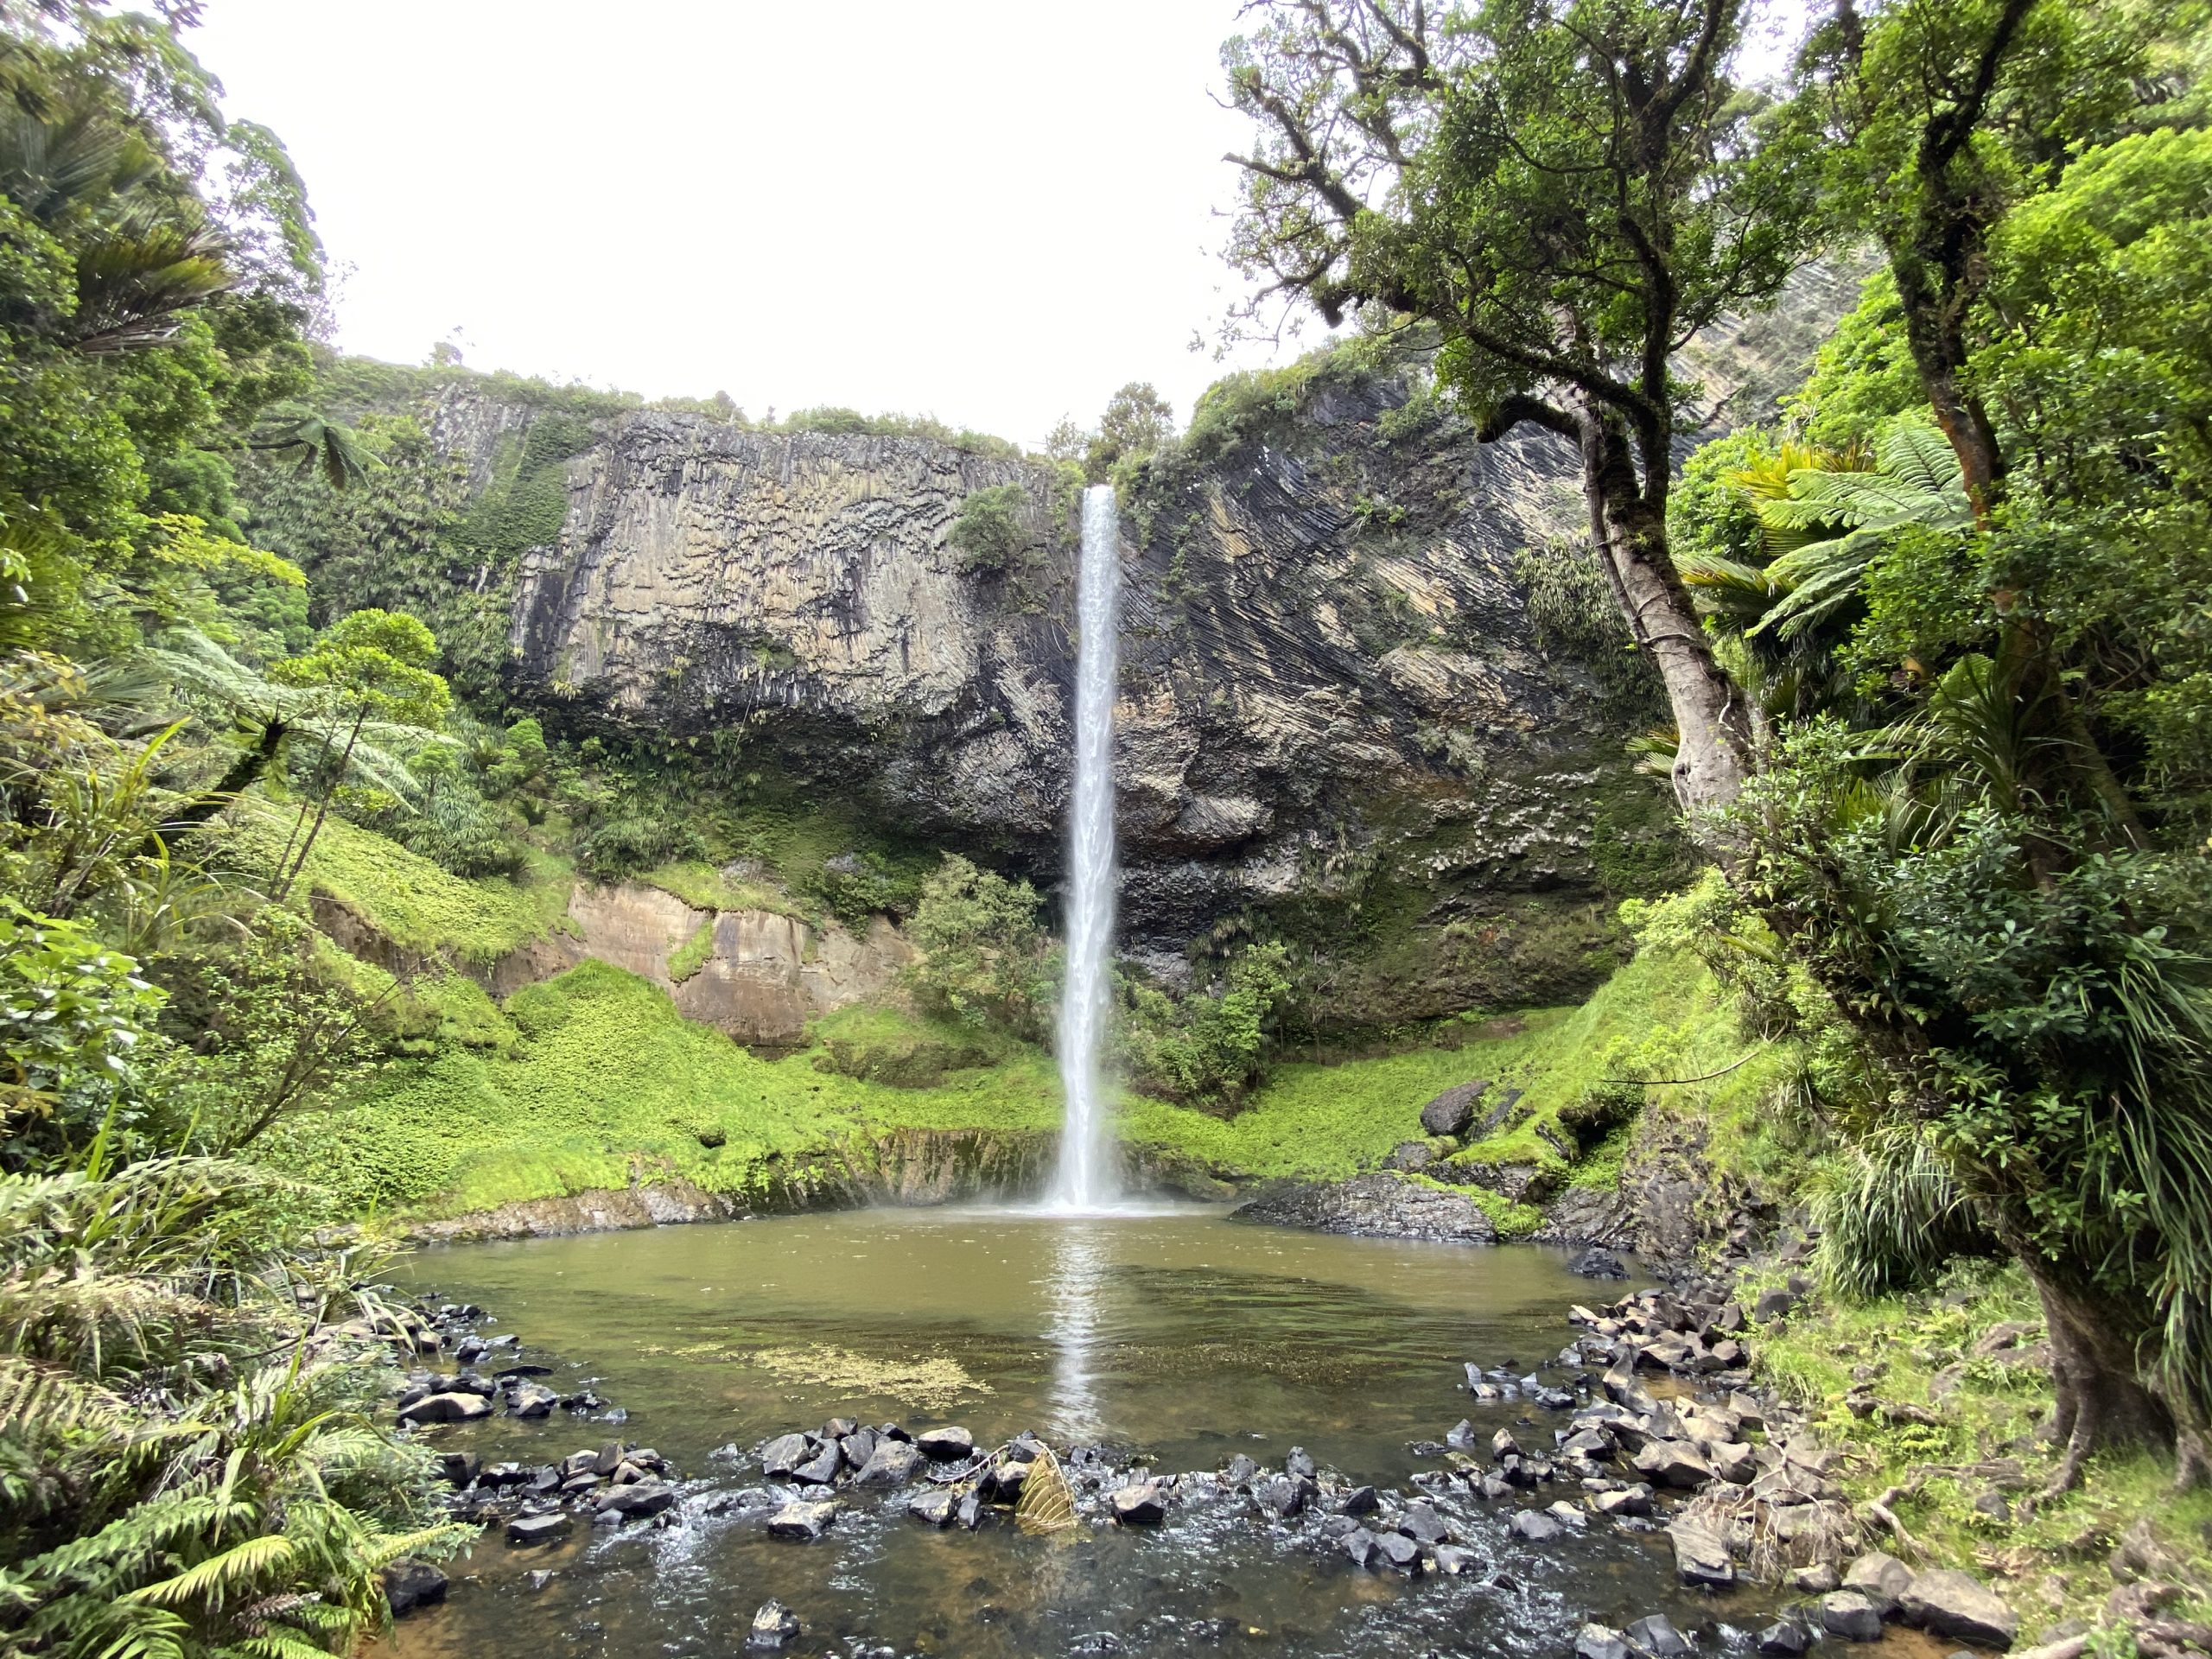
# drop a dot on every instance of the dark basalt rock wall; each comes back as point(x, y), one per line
point(1336, 706)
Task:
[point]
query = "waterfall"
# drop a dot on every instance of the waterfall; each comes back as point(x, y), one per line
point(1086, 1180)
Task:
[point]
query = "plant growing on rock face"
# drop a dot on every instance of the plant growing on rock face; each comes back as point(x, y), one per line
point(1207, 1047)
point(1568, 192)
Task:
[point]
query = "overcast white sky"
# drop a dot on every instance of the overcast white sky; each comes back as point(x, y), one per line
point(993, 211)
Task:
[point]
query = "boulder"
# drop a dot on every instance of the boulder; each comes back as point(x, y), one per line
point(1627, 1500)
point(1656, 1638)
point(529, 1400)
point(526, 1529)
point(821, 1469)
point(1535, 1527)
point(1454, 1563)
point(1784, 1639)
point(411, 1584)
point(1949, 1603)
point(1450, 1112)
point(892, 1463)
point(446, 1408)
point(460, 1468)
point(1881, 1578)
point(1597, 1262)
point(946, 1445)
point(1141, 1505)
point(1591, 1443)
point(1672, 1463)
point(1359, 1544)
point(1733, 1461)
point(1771, 1306)
point(1286, 1496)
point(1423, 1525)
point(1850, 1614)
point(1599, 1642)
point(1298, 1465)
point(638, 1500)
point(1396, 1551)
point(771, 1627)
point(857, 1447)
point(1700, 1554)
point(934, 1507)
point(802, 1519)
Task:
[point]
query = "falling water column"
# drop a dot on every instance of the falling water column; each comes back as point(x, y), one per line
point(1086, 1179)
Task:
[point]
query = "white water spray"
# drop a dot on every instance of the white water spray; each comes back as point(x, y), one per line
point(1086, 1179)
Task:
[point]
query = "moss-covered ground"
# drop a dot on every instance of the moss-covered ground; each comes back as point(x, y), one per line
point(1968, 1353)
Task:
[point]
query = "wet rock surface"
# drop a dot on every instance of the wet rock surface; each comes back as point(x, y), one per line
point(1376, 1205)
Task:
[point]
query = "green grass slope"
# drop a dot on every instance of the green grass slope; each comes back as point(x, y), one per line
point(1662, 1016)
point(604, 1078)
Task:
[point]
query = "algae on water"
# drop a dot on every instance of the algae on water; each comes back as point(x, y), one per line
point(933, 1384)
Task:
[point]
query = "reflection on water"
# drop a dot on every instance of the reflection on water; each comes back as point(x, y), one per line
point(1078, 1282)
point(1181, 1337)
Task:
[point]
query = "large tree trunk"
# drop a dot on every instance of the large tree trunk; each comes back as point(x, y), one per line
point(2102, 1404)
point(1712, 719)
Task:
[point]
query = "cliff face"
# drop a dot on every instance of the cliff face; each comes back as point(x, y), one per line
point(1330, 676)
point(1344, 714)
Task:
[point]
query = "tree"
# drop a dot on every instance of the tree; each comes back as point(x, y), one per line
point(367, 664)
point(1569, 190)
point(1137, 422)
point(1940, 115)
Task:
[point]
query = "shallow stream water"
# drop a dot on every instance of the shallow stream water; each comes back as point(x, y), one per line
point(1180, 1339)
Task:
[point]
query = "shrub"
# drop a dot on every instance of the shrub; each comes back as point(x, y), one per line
point(990, 533)
point(984, 959)
point(1208, 1046)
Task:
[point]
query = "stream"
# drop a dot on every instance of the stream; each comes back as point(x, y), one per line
point(1179, 1339)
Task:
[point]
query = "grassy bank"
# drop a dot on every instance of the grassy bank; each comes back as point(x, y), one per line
point(599, 1077)
point(1963, 1461)
point(1662, 1016)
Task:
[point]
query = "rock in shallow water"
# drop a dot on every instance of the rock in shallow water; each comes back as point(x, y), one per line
point(1598, 1262)
point(1535, 1527)
point(802, 1519)
point(1141, 1505)
point(1700, 1555)
point(946, 1445)
point(892, 1463)
point(936, 1508)
point(408, 1584)
point(784, 1454)
point(772, 1626)
point(527, 1529)
point(1850, 1614)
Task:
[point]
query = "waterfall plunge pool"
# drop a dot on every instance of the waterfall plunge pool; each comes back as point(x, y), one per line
point(1181, 1336)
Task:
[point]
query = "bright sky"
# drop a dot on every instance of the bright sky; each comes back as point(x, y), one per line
point(992, 211)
